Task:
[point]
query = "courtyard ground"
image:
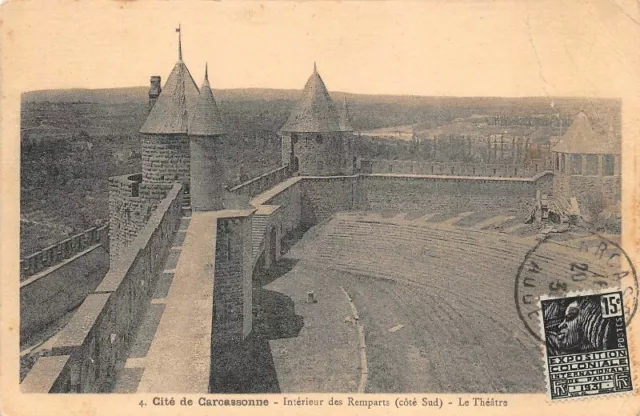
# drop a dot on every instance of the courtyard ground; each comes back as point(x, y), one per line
point(420, 336)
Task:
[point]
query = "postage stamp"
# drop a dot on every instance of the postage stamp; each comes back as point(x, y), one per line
point(558, 267)
point(586, 351)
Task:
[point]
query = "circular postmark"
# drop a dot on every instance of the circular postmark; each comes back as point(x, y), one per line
point(556, 266)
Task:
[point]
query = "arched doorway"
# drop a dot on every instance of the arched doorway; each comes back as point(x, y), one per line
point(273, 250)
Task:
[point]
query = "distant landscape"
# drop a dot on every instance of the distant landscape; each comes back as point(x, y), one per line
point(73, 140)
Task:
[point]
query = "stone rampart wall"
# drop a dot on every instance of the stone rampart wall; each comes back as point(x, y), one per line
point(321, 197)
point(58, 253)
point(287, 195)
point(52, 293)
point(527, 170)
point(309, 200)
point(100, 333)
point(448, 194)
point(255, 186)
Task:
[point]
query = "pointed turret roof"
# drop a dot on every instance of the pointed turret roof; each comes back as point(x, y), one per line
point(315, 111)
point(581, 139)
point(175, 105)
point(206, 120)
point(345, 119)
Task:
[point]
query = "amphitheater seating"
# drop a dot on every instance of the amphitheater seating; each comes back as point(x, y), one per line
point(462, 277)
point(499, 219)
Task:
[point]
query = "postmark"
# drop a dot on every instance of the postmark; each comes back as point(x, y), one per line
point(558, 265)
point(586, 351)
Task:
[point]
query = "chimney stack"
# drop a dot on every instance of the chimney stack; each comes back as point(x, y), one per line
point(154, 90)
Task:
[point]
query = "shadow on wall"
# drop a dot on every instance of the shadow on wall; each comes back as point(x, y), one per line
point(247, 366)
point(309, 217)
point(262, 276)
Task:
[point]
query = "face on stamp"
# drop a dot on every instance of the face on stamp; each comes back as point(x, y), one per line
point(586, 350)
point(556, 267)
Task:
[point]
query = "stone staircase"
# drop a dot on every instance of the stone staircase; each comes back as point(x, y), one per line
point(475, 221)
point(258, 230)
point(186, 205)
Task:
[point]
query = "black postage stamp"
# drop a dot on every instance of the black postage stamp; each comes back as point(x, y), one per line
point(586, 346)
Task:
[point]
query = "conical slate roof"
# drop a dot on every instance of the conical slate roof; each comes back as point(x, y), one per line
point(315, 112)
point(580, 138)
point(206, 120)
point(176, 103)
point(345, 119)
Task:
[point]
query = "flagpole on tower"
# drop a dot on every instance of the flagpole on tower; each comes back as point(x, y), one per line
point(179, 42)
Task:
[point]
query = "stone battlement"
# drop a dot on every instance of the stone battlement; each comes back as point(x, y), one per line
point(89, 350)
point(55, 254)
point(455, 168)
point(261, 183)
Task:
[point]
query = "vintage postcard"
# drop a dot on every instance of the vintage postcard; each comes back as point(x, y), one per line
point(309, 207)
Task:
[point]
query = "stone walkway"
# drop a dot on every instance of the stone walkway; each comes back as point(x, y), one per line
point(323, 356)
point(172, 349)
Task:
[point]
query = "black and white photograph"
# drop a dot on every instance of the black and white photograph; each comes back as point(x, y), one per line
point(431, 201)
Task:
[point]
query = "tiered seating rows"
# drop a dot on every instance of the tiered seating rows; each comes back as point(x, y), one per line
point(462, 281)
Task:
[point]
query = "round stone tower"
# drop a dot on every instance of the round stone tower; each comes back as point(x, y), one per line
point(312, 140)
point(165, 145)
point(205, 132)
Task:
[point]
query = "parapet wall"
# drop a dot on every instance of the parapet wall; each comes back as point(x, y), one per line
point(100, 333)
point(323, 196)
point(56, 280)
point(308, 200)
point(255, 186)
point(527, 170)
point(448, 193)
point(64, 250)
point(286, 195)
point(52, 293)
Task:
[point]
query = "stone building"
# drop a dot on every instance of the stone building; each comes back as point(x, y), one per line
point(317, 139)
point(180, 143)
point(586, 166)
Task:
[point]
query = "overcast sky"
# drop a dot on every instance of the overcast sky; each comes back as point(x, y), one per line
point(510, 48)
